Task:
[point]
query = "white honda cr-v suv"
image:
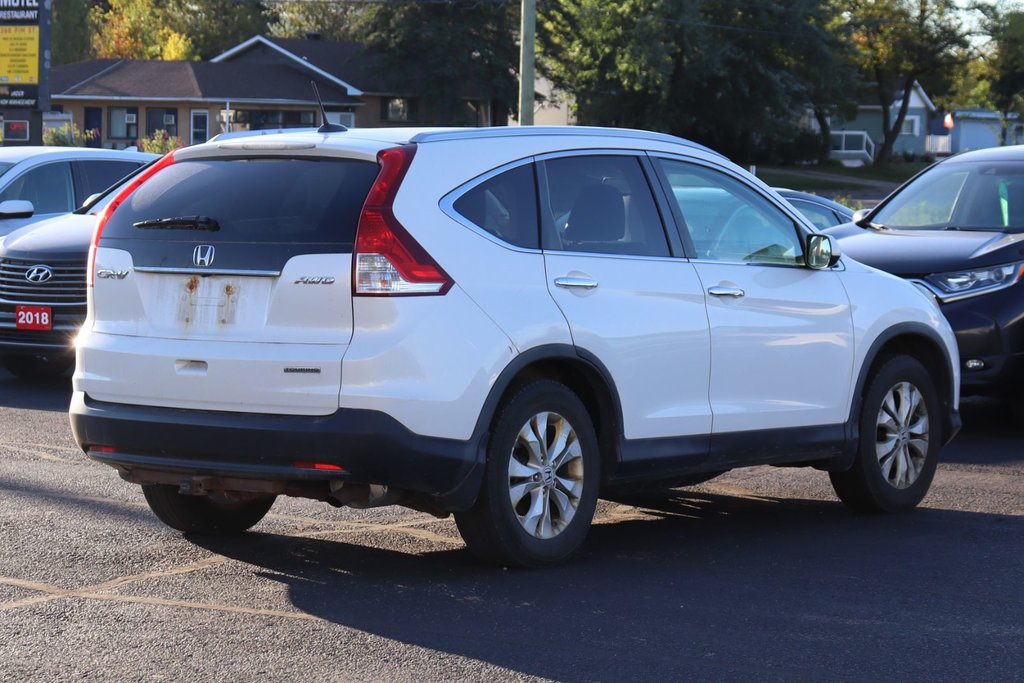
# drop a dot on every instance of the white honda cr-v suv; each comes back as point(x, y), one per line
point(497, 323)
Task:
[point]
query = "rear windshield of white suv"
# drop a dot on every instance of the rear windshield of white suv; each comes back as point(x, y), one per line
point(249, 200)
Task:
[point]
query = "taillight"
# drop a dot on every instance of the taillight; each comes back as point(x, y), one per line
point(387, 261)
point(101, 220)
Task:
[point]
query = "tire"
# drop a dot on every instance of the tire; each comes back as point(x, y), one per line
point(37, 366)
point(557, 500)
point(900, 437)
point(204, 514)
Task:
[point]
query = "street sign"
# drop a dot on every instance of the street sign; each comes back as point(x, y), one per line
point(24, 53)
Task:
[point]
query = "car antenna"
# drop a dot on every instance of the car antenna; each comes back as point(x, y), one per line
point(327, 126)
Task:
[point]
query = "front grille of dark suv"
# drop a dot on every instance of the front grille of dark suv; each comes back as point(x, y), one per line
point(64, 293)
point(65, 288)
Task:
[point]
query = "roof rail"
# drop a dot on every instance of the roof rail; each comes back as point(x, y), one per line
point(531, 131)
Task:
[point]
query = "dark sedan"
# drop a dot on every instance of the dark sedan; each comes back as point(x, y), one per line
point(822, 212)
point(957, 230)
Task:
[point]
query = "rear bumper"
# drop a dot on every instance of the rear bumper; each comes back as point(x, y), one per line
point(370, 446)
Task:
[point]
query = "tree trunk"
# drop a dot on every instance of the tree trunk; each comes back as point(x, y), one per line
point(825, 130)
point(890, 133)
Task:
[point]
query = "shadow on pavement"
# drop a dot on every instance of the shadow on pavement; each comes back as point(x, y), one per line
point(700, 586)
point(991, 435)
point(51, 394)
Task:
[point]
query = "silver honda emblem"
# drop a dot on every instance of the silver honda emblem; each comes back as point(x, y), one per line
point(39, 274)
point(203, 255)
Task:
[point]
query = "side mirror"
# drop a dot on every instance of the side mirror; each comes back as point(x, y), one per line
point(860, 214)
point(16, 208)
point(822, 252)
point(91, 198)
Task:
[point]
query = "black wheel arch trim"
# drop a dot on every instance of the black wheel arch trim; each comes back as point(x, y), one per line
point(950, 418)
point(539, 354)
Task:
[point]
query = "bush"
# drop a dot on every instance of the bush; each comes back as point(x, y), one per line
point(160, 143)
point(803, 147)
point(68, 135)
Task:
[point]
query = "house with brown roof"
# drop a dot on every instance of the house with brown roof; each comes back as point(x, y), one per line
point(262, 83)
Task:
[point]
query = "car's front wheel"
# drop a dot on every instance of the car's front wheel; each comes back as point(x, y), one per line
point(900, 438)
point(213, 514)
point(540, 485)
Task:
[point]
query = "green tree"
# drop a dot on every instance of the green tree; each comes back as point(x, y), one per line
point(735, 75)
point(1006, 68)
point(71, 32)
point(898, 43)
point(439, 53)
point(136, 29)
point(296, 18)
point(214, 26)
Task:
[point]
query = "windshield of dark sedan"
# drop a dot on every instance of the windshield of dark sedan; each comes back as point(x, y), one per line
point(975, 195)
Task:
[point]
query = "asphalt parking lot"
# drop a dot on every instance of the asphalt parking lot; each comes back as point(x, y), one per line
point(757, 575)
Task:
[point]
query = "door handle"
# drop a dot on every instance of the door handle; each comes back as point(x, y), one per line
point(726, 291)
point(571, 282)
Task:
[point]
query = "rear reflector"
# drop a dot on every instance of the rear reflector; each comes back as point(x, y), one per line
point(323, 466)
point(101, 449)
point(388, 261)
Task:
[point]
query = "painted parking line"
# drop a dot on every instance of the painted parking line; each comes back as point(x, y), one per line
point(55, 593)
point(34, 450)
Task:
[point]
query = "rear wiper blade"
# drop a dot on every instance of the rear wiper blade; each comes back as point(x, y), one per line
point(180, 223)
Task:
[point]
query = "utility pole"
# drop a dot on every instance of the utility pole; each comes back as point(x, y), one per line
point(527, 35)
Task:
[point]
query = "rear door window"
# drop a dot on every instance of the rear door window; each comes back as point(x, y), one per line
point(252, 200)
point(602, 204)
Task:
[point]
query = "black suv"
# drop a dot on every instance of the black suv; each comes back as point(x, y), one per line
point(957, 230)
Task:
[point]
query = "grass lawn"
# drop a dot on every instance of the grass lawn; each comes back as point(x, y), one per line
point(794, 181)
point(832, 178)
point(896, 172)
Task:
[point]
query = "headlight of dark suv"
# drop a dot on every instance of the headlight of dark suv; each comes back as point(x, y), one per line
point(964, 283)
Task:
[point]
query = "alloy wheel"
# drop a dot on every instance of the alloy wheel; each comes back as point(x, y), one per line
point(545, 475)
point(901, 441)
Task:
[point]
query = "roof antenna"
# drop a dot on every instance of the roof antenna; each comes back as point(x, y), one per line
point(327, 127)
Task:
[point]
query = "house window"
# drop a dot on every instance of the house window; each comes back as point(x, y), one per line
point(911, 125)
point(345, 118)
point(396, 109)
point(200, 126)
point(266, 119)
point(123, 123)
point(162, 119)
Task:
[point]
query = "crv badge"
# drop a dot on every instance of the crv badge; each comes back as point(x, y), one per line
point(203, 255)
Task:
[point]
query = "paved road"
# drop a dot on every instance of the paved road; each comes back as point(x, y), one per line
point(757, 575)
